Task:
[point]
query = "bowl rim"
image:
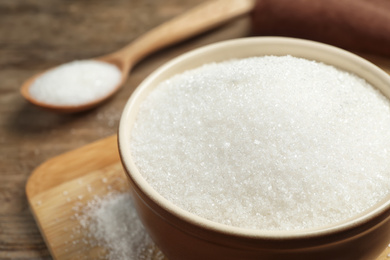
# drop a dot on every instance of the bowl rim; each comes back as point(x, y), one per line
point(165, 208)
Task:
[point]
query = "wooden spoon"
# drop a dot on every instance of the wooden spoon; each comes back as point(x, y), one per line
point(200, 19)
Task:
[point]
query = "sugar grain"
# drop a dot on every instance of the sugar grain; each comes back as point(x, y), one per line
point(76, 83)
point(112, 223)
point(273, 143)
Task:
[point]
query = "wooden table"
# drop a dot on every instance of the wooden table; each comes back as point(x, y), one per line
point(35, 35)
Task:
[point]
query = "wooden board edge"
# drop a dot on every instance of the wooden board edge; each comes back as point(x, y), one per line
point(53, 175)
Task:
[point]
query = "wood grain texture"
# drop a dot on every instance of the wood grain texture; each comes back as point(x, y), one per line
point(191, 23)
point(59, 185)
point(36, 35)
point(69, 181)
point(72, 179)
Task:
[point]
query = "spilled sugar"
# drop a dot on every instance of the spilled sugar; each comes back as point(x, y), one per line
point(76, 83)
point(111, 223)
point(272, 143)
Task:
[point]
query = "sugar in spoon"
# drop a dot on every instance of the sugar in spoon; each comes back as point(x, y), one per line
point(197, 20)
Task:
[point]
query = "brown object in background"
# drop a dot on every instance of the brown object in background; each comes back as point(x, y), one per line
point(359, 25)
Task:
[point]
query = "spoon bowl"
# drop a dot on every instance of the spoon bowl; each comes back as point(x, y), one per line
point(25, 91)
point(200, 19)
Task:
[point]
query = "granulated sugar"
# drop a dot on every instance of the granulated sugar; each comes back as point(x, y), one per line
point(273, 143)
point(112, 224)
point(76, 83)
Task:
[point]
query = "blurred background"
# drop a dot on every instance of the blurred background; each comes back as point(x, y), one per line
point(37, 35)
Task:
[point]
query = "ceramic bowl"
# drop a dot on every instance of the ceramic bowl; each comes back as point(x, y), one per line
point(184, 236)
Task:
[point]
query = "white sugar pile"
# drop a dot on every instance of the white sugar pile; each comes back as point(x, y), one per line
point(76, 83)
point(112, 224)
point(273, 143)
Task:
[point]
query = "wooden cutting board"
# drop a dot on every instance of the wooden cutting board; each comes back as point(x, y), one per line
point(71, 180)
point(74, 178)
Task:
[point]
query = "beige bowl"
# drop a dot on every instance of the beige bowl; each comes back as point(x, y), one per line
point(185, 236)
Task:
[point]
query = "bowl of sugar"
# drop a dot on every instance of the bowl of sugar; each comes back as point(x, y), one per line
point(261, 148)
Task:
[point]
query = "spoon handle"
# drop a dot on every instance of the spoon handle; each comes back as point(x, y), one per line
point(197, 20)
